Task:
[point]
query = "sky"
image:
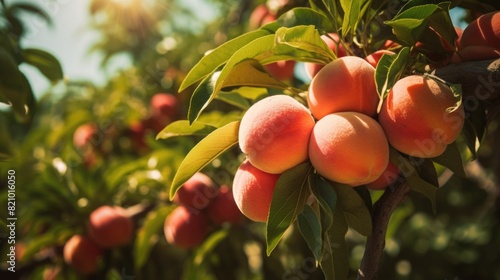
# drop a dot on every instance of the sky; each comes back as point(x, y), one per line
point(70, 37)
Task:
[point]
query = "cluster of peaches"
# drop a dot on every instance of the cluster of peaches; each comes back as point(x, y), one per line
point(201, 206)
point(108, 227)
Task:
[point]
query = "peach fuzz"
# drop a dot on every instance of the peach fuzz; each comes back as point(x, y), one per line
point(274, 133)
point(196, 192)
point(390, 175)
point(349, 148)
point(110, 226)
point(346, 84)
point(253, 191)
point(313, 68)
point(185, 229)
point(374, 57)
point(223, 208)
point(416, 119)
point(82, 254)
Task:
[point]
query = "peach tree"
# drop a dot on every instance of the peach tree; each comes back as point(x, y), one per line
point(423, 42)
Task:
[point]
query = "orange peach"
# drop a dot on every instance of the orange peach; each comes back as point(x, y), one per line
point(483, 31)
point(184, 228)
point(282, 70)
point(346, 84)
point(164, 109)
point(82, 254)
point(274, 133)
point(253, 191)
point(332, 42)
point(223, 208)
point(416, 116)
point(374, 57)
point(390, 175)
point(349, 148)
point(197, 192)
point(86, 135)
point(261, 15)
point(110, 226)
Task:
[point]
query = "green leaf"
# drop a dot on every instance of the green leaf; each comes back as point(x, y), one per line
point(335, 256)
point(219, 56)
point(326, 197)
point(389, 70)
point(13, 8)
point(356, 212)
point(305, 16)
point(182, 128)
point(352, 11)
point(48, 65)
point(209, 148)
point(209, 244)
point(305, 38)
point(233, 98)
point(13, 85)
point(251, 73)
point(310, 228)
point(147, 234)
point(289, 196)
point(451, 159)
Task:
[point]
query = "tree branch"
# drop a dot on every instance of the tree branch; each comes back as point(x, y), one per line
point(382, 211)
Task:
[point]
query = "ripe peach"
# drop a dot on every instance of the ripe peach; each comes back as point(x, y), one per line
point(82, 253)
point(387, 178)
point(274, 133)
point(85, 135)
point(346, 84)
point(282, 70)
point(483, 31)
point(164, 108)
point(313, 68)
point(253, 191)
point(197, 192)
point(223, 208)
point(185, 228)
point(416, 119)
point(349, 148)
point(374, 57)
point(260, 16)
point(110, 226)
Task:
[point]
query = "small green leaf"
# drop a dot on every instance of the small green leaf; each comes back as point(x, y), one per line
point(304, 16)
point(182, 128)
point(208, 245)
point(147, 234)
point(233, 98)
point(326, 197)
point(289, 196)
point(352, 10)
point(14, 8)
point(305, 38)
point(251, 73)
point(451, 159)
point(356, 212)
point(310, 228)
point(48, 65)
point(13, 85)
point(219, 56)
point(389, 70)
point(209, 148)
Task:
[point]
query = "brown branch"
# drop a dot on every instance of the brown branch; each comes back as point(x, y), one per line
point(382, 211)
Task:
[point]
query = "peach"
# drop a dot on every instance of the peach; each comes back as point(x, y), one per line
point(261, 15)
point(223, 208)
point(82, 254)
point(253, 191)
point(374, 57)
point(110, 226)
point(164, 109)
point(390, 176)
point(184, 228)
point(313, 68)
point(86, 135)
point(483, 31)
point(282, 70)
point(416, 118)
point(197, 192)
point(346, 84)
point(274, 133)
point(349, 148)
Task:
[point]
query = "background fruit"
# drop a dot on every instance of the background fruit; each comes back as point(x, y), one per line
point(374, 57)
point(313, 68)
point(390, 175)
point(282, 70)
point(415, 119)
point(82, 253)
point(253, 191)
point(274, 133)
point(349, 148)
point(223, 208)
point(260, 16)
point(185, 228)
point(164, 109)
point(197, 192)
point(483, 31)
point(85, 135)
point(110, 226)
point(346, 84)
